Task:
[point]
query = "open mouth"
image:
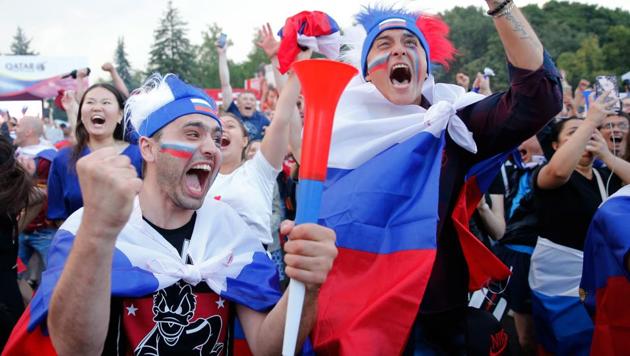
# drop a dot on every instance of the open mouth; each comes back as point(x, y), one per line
point(196, 178)
point(98, 120)
point(616, 138)
point(400, 74)
point(225, 142)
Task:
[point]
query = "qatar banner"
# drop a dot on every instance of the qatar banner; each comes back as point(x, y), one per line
point(40, 76)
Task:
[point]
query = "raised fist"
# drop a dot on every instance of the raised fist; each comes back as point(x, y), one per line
point(108, 67)
point(109, 184)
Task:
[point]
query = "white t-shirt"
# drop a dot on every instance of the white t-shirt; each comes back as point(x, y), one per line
point(249, 190)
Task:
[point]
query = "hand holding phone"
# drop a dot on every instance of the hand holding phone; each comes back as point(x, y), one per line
point(222, 41)
point(605, 83)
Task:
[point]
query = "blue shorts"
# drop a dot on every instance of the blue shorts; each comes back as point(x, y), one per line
point(36, 241)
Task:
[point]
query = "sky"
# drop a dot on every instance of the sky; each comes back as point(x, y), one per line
point(91, 28)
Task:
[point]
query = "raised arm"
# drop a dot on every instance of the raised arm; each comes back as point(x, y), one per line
point(224, 77)
point(268, 43)
point(522, 46)
point(502, 120)
point(71, 105)
point(275, 144)
point(564, 161)
point(109, 184)
point(82, 74)
point(116, 79)
point(310, 253)
point(493, 218)
point(617, 165)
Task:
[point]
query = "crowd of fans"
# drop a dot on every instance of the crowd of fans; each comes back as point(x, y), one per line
point(549, 188)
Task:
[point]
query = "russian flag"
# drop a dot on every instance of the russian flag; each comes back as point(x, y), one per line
point(605, 277)
point(562, 325)
point(381, 198)
point(223, 252)
point(392, 23)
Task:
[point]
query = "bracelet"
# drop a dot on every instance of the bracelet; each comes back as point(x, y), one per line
point(498, 9)
point(506, 10)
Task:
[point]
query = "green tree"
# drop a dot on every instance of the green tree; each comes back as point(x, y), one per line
point(587, 62)
point(208, 59)
point(617, 50)
point(585, 40)
point(171, 51)
point(21, 45)
point(123, 66)
point(248, 68)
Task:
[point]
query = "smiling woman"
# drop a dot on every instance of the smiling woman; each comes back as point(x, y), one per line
point(99, 124)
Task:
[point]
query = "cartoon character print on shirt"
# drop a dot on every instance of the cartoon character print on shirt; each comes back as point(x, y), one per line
point(173, 309)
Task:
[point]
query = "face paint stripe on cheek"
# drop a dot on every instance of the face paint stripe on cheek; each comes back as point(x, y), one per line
point(178, 149)
point(416, 63)
point(378, 63)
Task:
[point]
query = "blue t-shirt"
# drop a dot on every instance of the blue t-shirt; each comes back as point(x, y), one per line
point(64, 193)
point(254, 124)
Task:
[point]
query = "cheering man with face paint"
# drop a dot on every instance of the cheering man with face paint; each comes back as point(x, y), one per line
point(400, 152)
point(161, 273)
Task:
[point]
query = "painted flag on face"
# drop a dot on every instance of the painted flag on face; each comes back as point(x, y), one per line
point(312, 29)
point(381, 198)
point(223, 252)
point(605, 278)
point(562, 324)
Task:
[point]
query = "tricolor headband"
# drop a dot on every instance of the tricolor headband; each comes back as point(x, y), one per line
point(162, 100)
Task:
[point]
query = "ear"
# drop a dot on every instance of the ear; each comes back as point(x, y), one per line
point(146, 148)
point(368, 78)
point(554, 145)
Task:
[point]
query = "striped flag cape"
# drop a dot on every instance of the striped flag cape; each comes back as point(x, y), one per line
point(381, 198)
point(605, 277)
point(224, 255)
point(562, 324)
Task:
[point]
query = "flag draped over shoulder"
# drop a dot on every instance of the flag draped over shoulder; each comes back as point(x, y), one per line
point(605, 277)
point(381, 198)
point(223, 253)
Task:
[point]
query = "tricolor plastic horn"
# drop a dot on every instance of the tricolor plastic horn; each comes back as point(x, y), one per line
point(322, 81)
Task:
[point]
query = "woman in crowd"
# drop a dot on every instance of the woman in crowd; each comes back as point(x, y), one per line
point(567, 192)
point(248, 184)
point(99, 124)
point(20, 202)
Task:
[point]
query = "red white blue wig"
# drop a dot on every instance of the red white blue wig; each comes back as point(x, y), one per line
point(162, 100)
point(431, 32)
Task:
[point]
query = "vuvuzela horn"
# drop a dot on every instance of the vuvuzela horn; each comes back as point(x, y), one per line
point(322, 81)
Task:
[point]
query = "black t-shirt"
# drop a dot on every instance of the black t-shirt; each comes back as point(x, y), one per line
point(178, 320)
point(565, 213)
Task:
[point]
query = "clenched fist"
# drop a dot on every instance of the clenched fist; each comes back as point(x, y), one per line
point(310, 253)
point(109, 184)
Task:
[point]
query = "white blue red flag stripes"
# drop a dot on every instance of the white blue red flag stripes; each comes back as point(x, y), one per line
point(311, 29)
point(224, 254)
point(605, 277)
point(381, 198)
point(562, 325)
